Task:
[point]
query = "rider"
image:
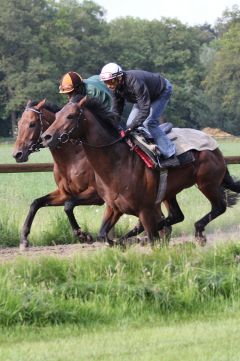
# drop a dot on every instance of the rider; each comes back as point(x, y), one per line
point(150, 93)
point(73, 84)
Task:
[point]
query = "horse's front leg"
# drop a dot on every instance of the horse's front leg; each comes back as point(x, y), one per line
point(110, 218)
point(138, 229)
point(35, 206)
point(69, 206)
point(55, 198)
point(85, 198)
point(147, 217)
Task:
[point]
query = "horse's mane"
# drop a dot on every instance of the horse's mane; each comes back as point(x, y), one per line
point(108, 119)
point(51, 107)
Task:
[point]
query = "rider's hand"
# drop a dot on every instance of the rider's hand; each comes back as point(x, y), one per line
point(124, 133)
point(128, 131)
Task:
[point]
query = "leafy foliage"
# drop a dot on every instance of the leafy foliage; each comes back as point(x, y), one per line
point(42, 39)
point(222, 82)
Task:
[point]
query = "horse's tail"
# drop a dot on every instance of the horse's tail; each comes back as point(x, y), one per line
point(231, 186)
point(230, 183)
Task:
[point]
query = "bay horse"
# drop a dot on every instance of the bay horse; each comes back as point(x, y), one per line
point(73, 174)
point(123, 180)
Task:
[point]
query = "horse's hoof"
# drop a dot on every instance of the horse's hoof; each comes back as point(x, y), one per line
point(143, 241)
point(165, 234)
point(201, 240)
point(87, 238)
point(23, 246)
point(84, 237)
point(111, 243)
point(121, 243)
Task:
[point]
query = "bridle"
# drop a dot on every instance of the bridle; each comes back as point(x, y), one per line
point(35, 147)
point(66, 136)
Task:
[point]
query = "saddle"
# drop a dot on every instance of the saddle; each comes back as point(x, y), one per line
point(141, 141)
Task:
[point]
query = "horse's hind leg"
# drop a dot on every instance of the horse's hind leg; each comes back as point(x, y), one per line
point(218, 202)
point(138, 228)
point(175, 215)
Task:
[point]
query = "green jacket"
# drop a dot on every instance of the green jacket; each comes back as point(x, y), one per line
point(95, 88)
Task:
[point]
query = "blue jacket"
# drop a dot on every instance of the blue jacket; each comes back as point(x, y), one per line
point(141, 87)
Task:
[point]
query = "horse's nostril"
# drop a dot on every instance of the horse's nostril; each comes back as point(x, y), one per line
point(47, 137)
point(17, 155)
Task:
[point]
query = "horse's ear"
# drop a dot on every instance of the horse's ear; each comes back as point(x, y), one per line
point(82, 101)
point(41, 104)
point(28, 103)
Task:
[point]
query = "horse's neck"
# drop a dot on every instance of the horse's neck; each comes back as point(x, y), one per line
point(95, 133)
point(47, 119)
point(106, 152)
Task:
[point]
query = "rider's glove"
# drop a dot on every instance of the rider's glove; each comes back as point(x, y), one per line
point(124, 133)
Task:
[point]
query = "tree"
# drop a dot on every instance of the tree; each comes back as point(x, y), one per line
point(222, 81)
point(79, 31)
point(167, 47)
point(40, 40)
point(21, 23)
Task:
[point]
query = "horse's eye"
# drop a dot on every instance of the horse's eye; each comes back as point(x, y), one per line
point(32, 125)
point(70, 116)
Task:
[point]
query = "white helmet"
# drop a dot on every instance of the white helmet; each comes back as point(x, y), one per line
point(110, 71)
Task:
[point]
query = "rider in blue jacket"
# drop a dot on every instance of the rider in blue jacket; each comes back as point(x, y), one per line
point(150, 93)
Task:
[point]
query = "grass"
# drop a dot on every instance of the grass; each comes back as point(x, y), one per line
point(209, 340)
point(110, 287)
point(174, 303)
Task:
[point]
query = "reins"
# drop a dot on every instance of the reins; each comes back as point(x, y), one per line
point(101, 146)
point(66, 136)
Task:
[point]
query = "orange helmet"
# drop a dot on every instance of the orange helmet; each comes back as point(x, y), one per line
point(70, 82)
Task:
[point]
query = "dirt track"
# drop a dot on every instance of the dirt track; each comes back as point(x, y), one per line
point(66, 250)
point(84, 248)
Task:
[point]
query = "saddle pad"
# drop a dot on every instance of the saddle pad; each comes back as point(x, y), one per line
point(186, 158)
point(186, 139)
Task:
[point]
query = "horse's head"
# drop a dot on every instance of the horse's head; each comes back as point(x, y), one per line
point(66, 125)
point(34, 121)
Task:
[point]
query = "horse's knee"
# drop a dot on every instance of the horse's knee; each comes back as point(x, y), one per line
point(180, 218)
point(37, 203)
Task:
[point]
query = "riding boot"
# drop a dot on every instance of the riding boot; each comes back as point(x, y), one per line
point(172, 161)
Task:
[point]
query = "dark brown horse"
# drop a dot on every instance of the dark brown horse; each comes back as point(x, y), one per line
point(73, 174)
point(123, 180)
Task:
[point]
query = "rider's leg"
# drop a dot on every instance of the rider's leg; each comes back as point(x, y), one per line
point(165, 145)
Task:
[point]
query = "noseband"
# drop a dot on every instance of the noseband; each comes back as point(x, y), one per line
point(66, 136)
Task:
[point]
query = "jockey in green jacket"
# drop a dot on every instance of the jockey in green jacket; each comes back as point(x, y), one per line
point(72, 84)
